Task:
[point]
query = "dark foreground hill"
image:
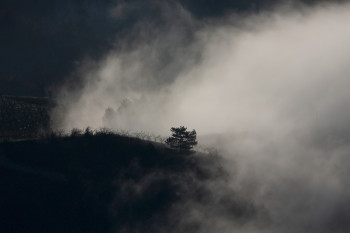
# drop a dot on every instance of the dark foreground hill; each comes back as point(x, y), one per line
point(108, 183)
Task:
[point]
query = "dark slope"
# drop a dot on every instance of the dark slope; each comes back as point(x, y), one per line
point(23, 116)
point(109, 183)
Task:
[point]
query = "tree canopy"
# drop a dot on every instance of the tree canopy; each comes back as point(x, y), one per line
point(182, 139)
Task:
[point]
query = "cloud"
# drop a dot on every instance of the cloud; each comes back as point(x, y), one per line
point(275, 84)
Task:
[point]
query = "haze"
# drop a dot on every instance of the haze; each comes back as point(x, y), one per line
point(268, 90)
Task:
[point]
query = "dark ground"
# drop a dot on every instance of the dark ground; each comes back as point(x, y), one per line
point(108, 183)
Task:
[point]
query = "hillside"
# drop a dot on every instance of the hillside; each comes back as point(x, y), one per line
point(104, 182)
point(23, 116)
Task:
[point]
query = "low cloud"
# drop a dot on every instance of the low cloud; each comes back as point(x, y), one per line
point(269, 90)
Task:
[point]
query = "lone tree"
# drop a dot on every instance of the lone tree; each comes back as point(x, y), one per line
point(182, 139)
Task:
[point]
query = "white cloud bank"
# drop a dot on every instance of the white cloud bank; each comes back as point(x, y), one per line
point(276, 84)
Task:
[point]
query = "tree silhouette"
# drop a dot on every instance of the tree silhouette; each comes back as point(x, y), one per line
point(182, 139)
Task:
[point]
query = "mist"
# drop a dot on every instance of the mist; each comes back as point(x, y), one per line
point(269, 90)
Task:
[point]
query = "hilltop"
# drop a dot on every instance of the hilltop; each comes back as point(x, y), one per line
point(105, 182)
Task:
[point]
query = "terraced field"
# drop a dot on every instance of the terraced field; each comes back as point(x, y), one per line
point(22, 116)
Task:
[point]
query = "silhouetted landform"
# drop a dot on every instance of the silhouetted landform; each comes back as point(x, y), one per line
point(104, 182)
point(23, 117)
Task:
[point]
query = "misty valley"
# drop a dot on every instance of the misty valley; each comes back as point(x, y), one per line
point(175, 116)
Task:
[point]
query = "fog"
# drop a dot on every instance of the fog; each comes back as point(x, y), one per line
point(269, 90)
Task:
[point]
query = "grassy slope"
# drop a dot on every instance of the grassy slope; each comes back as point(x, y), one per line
point(104, 182)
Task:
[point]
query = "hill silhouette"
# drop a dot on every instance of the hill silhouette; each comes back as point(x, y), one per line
point(104, 182)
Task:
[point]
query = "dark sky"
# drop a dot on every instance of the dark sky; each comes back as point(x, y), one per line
point(41, 41)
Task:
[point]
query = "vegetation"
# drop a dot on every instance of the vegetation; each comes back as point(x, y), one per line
point(23, 117)
point(182, 139)
point(104, 182)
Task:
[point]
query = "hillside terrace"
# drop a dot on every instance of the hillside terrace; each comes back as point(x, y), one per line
point(23, 116)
